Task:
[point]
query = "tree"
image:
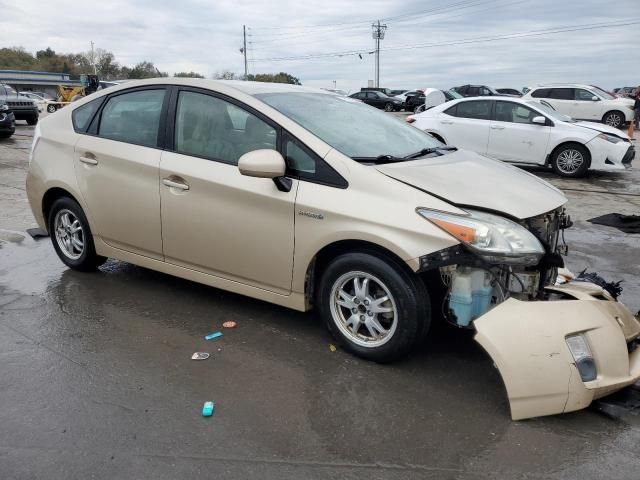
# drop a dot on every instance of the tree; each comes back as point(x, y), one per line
point(225, 75)
point(281, 77)
point(145, 69)
point(16, 58)
point(188, 75)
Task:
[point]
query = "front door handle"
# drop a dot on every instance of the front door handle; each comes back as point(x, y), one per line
point(89, 160)
point(446, 122)
point(175, 183)
point(497, 127)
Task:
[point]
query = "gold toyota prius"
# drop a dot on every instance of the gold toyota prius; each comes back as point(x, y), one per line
point(312, 200)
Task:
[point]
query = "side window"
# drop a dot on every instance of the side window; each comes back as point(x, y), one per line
point(473, 91)
point(562, 93)
point(514, 113)
point(478, 110)
point(304, 164)
point(81, 116)
point(541, 93)
point(133, 117)
point(453, 111)
point(584, 95)
point(372, 95)
point(485, 91)
point(213, 128)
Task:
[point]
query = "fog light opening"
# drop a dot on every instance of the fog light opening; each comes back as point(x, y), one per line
point(582, 356)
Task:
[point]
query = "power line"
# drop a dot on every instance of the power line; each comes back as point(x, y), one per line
point(483, 39)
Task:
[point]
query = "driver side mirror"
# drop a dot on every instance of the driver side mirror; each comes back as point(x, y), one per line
point(595, 99)
point(539, 120)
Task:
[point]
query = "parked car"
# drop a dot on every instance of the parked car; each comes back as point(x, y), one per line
point(585, 102)
point(40, 102)
point(7, 120)
point(434, 97)
point(336, 91)
point(386, 91)
point(393, 93)
point(413, 100)
point(392, 229)
point(22, 107)
point(628, 92)
point(527, 132)
point(379, 100)
point(509, 91)
point(478, 91)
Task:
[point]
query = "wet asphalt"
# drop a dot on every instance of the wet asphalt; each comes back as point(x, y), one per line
point(96, 379)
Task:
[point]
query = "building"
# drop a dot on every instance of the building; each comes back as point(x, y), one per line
point(47, 82)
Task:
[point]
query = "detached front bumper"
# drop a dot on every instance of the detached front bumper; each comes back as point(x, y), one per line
point(610, 156)
point(527, 342)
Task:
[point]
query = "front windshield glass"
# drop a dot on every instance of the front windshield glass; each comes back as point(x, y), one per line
point(604, 94)
point(550, 112)
point(454, 94)
point(350, 126)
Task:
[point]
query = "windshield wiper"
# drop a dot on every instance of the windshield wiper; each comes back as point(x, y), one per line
point(380, 159)
point(430, 150)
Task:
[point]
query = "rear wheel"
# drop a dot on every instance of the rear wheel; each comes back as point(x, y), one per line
point(388, 107)
point(614, 119)
point(571, 160)
point(71, 236)
point(373, 307)
point(5, 135)
point(51, 108)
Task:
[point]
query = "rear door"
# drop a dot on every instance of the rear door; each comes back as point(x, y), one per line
point(215, 220)
point(513, 136)
point(562, 99)
point(466, 124)
point(117, 163)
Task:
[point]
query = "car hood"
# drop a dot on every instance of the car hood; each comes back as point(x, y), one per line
point(601, 127)
point(464, 178)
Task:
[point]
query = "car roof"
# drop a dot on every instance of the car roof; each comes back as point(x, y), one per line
point(562, 85)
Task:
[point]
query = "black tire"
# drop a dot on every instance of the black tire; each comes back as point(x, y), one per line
point(559, 166)
point(388, 107)
point(420, 109)
point(5, 135)
point(409, 295)
point(88, 260)
point(51, 108)
point(614, 119)
point(32, 120)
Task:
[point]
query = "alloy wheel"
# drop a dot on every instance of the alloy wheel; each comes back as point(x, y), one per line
point(69, 234)
point(569, 161)
point(613, 120)
point(363, 309)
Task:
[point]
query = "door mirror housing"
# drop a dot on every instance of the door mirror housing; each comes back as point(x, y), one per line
point(539, 120)
point(264, 163)
point(595, 98)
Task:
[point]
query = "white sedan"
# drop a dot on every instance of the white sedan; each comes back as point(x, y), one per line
point(527, 132)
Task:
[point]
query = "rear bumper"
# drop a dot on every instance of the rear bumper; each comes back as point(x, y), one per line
point(527, 342)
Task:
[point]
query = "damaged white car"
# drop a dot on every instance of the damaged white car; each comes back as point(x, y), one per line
point(392, 229)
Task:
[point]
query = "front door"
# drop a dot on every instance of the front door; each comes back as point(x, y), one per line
point(215, 220)
point(117, 171)
point(585, 107)
point(513, 136)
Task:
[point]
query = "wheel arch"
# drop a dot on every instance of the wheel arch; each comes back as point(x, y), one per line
point(50, 196)
point(614, 110)
point(333, 250)
point(566, 143)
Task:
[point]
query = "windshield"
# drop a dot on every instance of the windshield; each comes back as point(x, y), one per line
point(603, 93)
point(454, 94)
point(550, 112)
point(350, 126)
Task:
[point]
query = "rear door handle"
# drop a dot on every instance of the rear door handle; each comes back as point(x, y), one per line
point(446, 122)
point(497, 127)
point(175, 184)
point(89, 160)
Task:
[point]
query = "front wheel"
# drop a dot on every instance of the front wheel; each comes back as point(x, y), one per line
point(420, 109)
point(614, 119)
point(51, 108)
point(570, 160)
point(372, 306)
point(71, 236)
point(32, 120)
point(388, 107)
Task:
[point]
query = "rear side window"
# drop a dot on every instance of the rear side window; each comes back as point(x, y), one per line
point(478, 110)
point(561, 93)
point(82, 116)
point(133, 117)
point(541, 93)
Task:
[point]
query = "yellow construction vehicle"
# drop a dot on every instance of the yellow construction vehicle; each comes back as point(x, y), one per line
point(89, 84)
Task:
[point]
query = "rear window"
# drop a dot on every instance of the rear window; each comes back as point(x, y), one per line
point(477, 110)
point(541, 93)
point(562, 93)
point(82, 116)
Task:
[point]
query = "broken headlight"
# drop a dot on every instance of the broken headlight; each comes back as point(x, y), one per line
point(581, 353)
point(494, 238)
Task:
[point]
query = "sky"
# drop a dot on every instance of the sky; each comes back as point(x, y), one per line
point(206, 37)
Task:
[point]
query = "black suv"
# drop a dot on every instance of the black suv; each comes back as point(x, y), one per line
point(22, 107)
point(379, 100)
point(7, 121)
point(479, 91)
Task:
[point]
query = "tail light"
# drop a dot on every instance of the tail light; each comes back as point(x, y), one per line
point(410, 119)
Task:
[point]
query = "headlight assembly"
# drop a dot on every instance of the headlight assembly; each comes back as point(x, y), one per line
point(495, 238)
point(610, 138)
point(4, 107)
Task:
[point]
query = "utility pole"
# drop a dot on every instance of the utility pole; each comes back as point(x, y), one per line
point(244, 49)
point(93, 60)
point(378, 34)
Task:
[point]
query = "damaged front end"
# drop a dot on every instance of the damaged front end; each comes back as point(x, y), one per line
point(557, 346)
